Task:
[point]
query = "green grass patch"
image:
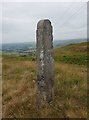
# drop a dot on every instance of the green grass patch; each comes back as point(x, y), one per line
point(73, 54)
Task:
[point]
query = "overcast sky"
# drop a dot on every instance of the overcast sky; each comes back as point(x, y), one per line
point(19, 20)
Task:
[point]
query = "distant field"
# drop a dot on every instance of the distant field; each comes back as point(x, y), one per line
point(70, 89)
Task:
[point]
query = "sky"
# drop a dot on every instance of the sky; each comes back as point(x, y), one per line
point(19, 20)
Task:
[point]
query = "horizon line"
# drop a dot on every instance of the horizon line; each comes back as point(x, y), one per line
point(35, 41)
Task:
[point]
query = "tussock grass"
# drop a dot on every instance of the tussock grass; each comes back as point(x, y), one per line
point(71, 86)
point(19, 93)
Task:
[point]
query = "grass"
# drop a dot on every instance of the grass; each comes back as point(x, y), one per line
point(74, 54)
point(19, 87)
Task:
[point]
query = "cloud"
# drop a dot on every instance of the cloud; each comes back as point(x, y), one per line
point(19, 20)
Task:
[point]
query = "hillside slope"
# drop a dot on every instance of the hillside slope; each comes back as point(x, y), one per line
point(19, 86)
point(73, 53)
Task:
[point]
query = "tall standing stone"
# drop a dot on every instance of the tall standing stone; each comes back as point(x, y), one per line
point(45, 60)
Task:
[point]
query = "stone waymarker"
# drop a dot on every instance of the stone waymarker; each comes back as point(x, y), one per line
point(45, 60)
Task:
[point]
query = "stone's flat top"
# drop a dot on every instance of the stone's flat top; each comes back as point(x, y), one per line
point(41, 23)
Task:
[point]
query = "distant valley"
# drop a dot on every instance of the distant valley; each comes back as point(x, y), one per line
point(28, 47)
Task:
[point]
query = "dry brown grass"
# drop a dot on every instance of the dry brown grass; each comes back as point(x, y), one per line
point(71, 86)
point(19, 90)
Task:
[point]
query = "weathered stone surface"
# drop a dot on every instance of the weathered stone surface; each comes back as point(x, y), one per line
point(45, 60)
